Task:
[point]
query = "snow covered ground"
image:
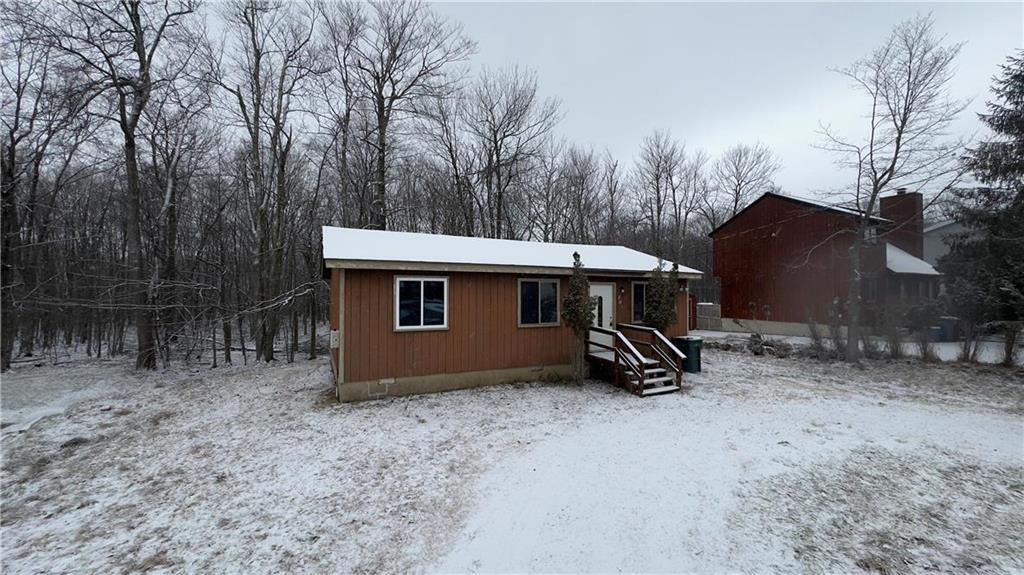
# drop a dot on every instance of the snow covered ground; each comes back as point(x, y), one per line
point(989, 351)
point(763, 463)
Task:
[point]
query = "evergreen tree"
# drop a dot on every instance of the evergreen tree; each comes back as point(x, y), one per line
point(984, 268)
point(578, 313)
point(660, 306)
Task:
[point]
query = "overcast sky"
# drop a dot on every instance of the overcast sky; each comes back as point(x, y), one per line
point(716, 74)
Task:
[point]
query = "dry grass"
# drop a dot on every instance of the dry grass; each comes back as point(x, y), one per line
point(890, 512)
point(984, 387)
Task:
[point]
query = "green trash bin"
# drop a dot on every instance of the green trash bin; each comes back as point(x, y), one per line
point(690, 346)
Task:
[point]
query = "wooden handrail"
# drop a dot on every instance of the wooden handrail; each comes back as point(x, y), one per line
point(680, 358)
point(634, 363)
point(629, 345)
point(636, 327)
point(601, 345)
point(668, 343)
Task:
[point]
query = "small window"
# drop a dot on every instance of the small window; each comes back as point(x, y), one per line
point(639, 301)
point(538, 302)
point(421, 303)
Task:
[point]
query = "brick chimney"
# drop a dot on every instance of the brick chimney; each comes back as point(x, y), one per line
point(906, 210)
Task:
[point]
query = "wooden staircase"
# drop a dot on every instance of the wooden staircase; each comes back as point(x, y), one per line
point(659, 370)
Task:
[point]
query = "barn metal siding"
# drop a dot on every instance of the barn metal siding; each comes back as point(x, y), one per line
point(782, 260)
point(483, 332)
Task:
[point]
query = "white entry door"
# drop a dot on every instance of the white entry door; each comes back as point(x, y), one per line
point(604, 312)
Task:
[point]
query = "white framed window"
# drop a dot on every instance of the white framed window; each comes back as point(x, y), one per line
point(639, 299)
point(538, 302)
point(421, 303)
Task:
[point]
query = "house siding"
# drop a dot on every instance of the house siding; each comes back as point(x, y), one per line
point(783, 261)
point(482, 335)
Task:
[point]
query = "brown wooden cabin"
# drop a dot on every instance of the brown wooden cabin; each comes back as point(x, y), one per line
point(420, 313)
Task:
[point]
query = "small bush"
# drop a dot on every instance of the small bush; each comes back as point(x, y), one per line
point(818, 348)
point(920, 319)
point(1011, 332)
point(870, 347)
point(889, 325)
point(835, 329)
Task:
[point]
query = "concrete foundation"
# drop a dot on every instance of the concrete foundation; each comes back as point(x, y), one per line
point(377, 389)
point(775, 327)
point(709, 316)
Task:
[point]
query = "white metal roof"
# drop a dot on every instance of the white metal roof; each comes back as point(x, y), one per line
point(411, 248)
point(899, 261)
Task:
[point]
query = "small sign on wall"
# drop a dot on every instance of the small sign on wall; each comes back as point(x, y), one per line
point(335, 338)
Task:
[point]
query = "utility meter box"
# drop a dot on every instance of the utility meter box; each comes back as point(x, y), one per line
point(335, 338)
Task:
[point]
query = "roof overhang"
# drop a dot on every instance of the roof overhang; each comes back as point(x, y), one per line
point(484, 268)
point(900, 262)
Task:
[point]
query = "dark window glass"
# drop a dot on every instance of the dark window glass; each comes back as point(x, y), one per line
point(639, 302)
point(600, 311)
point(409, 303)
point(528, 303)
point(433, 303)
point(548, 302)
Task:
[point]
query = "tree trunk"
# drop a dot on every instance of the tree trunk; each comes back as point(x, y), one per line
point(853, 299)
point(312, 325)
point(213, 342)
point(146, 356)
point(226, 325)
point(295, 336)
point(378, 215)
point(9, 228)
point(241, 341)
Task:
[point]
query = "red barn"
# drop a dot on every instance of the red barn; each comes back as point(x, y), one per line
point(783, 261)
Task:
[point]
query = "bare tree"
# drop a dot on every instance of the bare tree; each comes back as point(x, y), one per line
point(443, 131)
point(582, 180)
point(116, 46)
point(403, 56)
point(743, 172)
point(510, 122)
point(267, 79)
point(905, 84)
point(656, 173)
point(547, 199)
point(612, 182)
point(342, 25)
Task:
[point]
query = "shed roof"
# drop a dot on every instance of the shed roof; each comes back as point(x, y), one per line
point(375, 248)
point(901, 262)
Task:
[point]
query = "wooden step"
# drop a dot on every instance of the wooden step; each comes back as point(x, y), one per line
point(649, 373)
point(656, 381)
point(659, 390)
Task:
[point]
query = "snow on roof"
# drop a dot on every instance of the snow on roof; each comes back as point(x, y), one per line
point(899, 261)
point(405, 247)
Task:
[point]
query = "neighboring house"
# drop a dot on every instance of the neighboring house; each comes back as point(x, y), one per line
point(418, 313)
point(934, 239)
point(784, 261)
